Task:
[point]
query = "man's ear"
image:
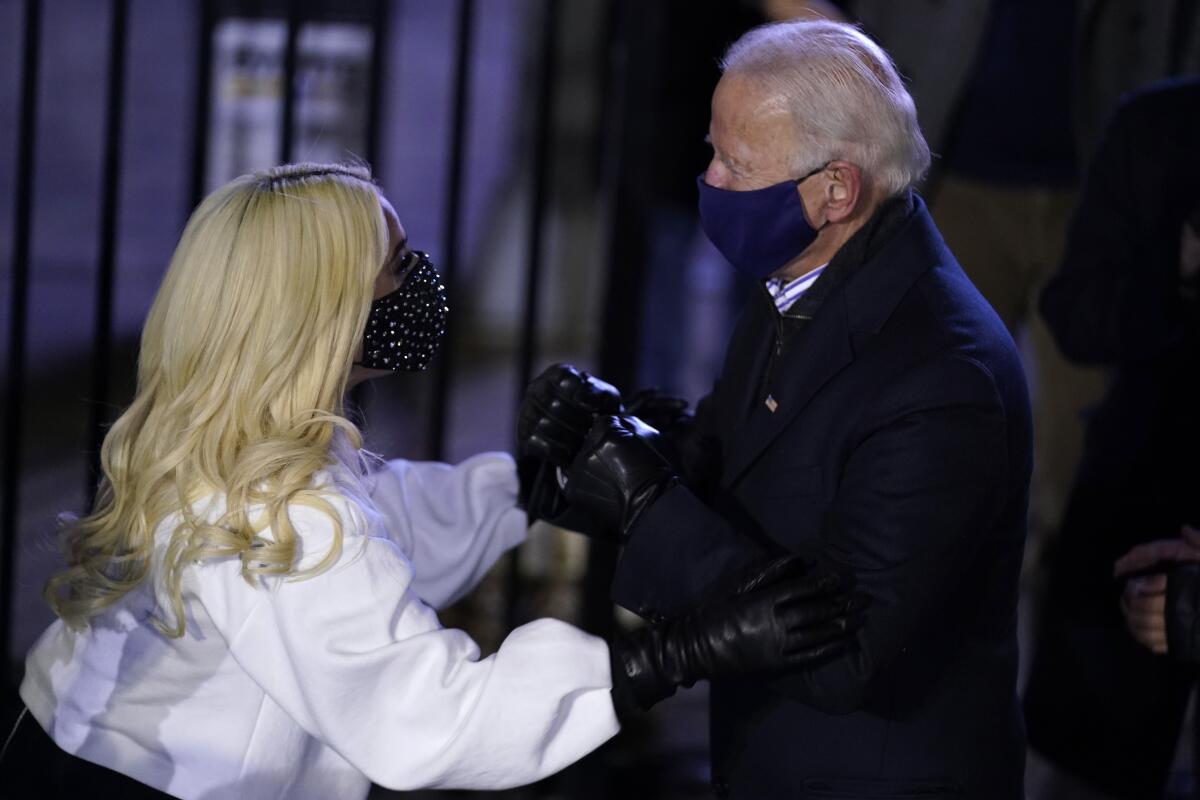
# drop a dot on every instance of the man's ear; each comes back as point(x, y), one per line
point(843, 190)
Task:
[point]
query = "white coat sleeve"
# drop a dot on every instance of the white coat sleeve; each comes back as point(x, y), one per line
point(453, 522)
point(362, 664)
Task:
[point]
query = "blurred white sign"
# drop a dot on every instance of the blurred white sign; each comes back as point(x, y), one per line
point(332, 85)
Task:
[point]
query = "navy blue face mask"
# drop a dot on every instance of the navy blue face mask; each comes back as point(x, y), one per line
point(760, 230)
point(405, 327)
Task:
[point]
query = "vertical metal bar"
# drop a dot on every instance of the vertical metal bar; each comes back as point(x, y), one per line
point(380, 18)
point(627, 232)
point(203, 101)
point(610, 59)
point(617, 344)
point(106, 272)
point(287, 130)
point(541, 158)
point(18, 303)
point(1182, 29)
point(436, 445)
point(1195, 754)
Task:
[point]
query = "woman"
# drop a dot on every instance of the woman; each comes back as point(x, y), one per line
point(247, 610)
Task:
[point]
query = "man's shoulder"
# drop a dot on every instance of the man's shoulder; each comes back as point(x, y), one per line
point(943, 343)
point(956, 309)
point(939, 309)
point(914, 255)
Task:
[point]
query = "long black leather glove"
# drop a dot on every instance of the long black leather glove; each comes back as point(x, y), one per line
point(618, 474)
point(542, 497)
point(557, 411)
point(781, 617)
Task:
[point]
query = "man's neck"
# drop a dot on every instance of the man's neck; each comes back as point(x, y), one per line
point(828, 242)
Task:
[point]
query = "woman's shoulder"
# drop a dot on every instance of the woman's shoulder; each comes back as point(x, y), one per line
point(327, 517)
point(326, 523)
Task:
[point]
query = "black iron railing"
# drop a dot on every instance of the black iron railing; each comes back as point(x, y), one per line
point(206, 15)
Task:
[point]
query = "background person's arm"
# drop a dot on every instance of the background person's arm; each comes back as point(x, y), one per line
point(1113, 300)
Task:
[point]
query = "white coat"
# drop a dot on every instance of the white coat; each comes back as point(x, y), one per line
point(315, 688)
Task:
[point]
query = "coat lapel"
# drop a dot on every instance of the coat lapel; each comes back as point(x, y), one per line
point(819, 353)
point(852, 315)
point(745, 360)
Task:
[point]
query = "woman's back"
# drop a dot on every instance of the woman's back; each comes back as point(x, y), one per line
point(180, 714)
point(313, 688)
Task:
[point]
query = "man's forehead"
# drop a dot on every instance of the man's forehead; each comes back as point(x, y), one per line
point(748, 96)
point(754, 117)
point(749, 121)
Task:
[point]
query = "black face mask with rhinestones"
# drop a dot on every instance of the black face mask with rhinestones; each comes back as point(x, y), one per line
point(405, 327)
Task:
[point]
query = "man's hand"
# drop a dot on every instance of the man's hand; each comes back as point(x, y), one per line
point(618, 473)
point(557, 411)
point(658, 410)
point(783, 616)
point(1144, 599)
point(1144, 603)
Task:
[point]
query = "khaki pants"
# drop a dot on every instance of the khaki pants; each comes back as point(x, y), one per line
point(1009, 240)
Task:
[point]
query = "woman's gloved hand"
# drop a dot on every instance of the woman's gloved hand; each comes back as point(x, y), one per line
point(557, 411)
point(540, 495)
point(779, 617)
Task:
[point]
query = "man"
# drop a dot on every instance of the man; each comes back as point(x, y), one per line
point(871, 412)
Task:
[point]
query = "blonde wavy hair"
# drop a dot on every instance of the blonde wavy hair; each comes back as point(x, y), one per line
point(244, 363)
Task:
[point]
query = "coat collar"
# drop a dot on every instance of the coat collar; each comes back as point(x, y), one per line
point(874, 291)
point(851, 314)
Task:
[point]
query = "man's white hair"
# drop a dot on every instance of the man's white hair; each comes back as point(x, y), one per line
point(844, 94)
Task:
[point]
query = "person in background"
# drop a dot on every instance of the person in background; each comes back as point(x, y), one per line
point(248, 610)
point(1013, 96)
point(1161, 595)
point(1106, 706)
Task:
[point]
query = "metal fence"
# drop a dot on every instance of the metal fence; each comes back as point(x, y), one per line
point(620, 315)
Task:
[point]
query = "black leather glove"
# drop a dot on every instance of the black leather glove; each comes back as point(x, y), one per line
point(557, 411)
point(1183, 613)
point(694, 455)
point(658, 410)
point(778, 618)
point(537, 492)
point(618, 473)
point(541, 497)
